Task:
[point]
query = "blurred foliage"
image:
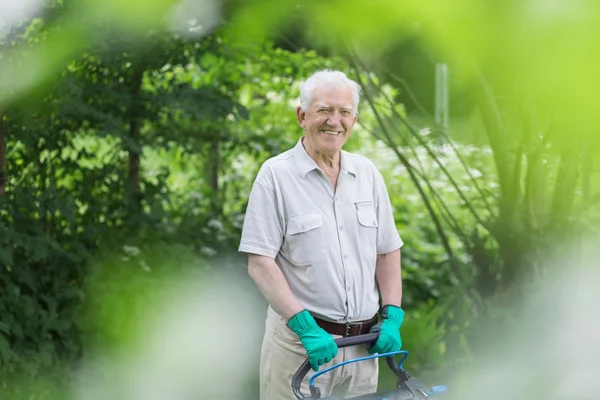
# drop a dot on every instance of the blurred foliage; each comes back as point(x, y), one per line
point(130, 134)
point(425, 260)
point(529, 90)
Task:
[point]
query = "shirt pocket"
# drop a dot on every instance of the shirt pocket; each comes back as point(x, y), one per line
point(367, 229)
point(304, 239)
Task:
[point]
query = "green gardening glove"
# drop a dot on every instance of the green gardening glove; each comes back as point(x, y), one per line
point(389, 339)
point(319, 345)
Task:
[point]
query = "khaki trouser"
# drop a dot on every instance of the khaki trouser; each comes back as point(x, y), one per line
point(282, 354)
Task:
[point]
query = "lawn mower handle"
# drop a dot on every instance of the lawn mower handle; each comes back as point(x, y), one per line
point(341, 342)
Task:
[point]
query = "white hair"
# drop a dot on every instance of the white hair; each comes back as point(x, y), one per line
point(330, 77)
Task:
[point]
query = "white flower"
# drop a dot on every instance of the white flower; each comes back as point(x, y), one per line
point(425, 131)
point(144, 266)
point(476, 173)
point(208, 251)
point(131, 250)
point(216, 224)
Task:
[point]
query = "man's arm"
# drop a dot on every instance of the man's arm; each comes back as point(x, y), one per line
point(389, 281)
point(262, 235)
point(272, 284)
point(389, 243)
point(319, 345)
point(389, 278)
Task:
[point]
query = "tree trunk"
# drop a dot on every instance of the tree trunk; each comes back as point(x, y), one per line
point(135, 147)
point(565, 186)
point(586, 174)
point(3, 168)
point(43, 188)
point(486, 281)
point(212, 172)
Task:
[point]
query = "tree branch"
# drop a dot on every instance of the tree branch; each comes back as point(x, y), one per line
point(3, 167)
point(447, 215)
point(432, 154)
point(492, 121)
point(406, 163)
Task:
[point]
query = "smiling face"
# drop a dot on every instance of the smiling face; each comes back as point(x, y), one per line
point(329, 119)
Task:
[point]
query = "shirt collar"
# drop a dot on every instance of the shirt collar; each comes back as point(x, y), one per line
point(305, 164)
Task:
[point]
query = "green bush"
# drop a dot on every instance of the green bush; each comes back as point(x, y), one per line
point(428, 271)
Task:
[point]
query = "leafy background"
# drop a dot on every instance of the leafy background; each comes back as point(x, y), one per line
point(131, 132)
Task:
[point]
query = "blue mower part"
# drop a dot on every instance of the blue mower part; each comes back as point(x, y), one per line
point(407, 387)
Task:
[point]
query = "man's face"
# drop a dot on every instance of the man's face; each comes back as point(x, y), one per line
point(329, 119)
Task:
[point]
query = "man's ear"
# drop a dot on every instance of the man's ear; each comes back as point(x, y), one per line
point(301, 115)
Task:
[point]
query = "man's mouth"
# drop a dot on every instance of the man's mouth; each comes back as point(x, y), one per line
point(333, 133)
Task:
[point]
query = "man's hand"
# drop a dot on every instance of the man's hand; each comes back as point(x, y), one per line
point(389, 330)
point(319, 345)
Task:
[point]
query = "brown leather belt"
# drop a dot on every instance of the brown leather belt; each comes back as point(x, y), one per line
point(349, 328)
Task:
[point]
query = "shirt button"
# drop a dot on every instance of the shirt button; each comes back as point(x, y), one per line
point(341, 228)
point(345, 256)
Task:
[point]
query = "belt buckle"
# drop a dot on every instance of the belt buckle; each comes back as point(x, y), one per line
point(348, 327)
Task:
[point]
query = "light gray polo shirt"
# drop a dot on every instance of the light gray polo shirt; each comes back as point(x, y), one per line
point(325, 242)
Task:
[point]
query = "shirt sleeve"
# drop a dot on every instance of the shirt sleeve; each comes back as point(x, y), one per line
point(262, 231)
point(388, 238)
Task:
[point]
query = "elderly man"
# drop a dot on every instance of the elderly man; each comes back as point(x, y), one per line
point(323, 248)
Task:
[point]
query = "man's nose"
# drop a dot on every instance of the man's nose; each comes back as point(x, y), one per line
point(334, 118)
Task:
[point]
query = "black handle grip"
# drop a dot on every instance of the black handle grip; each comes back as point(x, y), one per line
point(341, 342)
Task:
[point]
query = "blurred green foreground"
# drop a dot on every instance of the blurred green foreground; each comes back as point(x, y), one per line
point(131, 132)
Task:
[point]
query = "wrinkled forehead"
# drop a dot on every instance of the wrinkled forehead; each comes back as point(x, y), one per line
point(338, 96)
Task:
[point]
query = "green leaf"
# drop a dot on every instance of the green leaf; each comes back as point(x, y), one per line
point(6, 255)
point(4, 328)
point(40, 250)
point(6, 353)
